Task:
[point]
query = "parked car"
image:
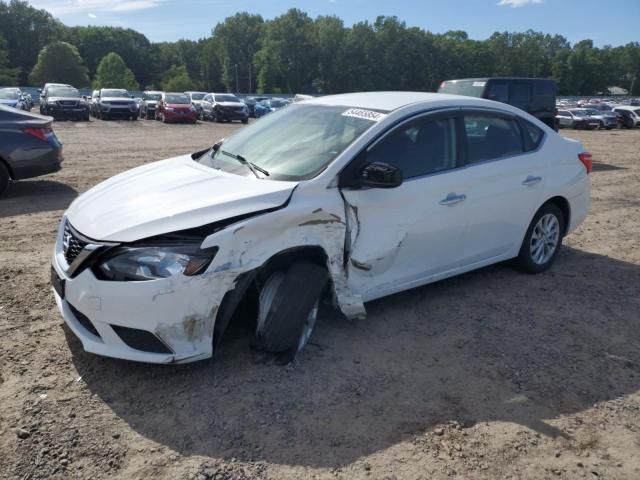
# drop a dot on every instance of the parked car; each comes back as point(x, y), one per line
point(224, 107)
point(28, 146)
point(196, 100)
point(64, 103)
point(43, 93)
point(250, 102)
point(175, 107)
point(607, 120)
point(576, 118)
point(630, 111)
point(115, 103)
point(150, 100)
point(93, 103)
point(13, 97)
point(536, 96)
point(269, 105)
point(625, 119)
point(355, 196)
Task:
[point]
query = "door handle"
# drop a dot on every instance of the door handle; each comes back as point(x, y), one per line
point(529, 181)
point(453, 199)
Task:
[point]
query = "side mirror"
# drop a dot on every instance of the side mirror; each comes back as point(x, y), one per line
point(380, 175)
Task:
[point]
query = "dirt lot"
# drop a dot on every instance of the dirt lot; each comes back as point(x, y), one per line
point(494, 374)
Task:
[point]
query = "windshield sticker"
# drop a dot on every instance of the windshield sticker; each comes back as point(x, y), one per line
point(365, 114)
point(479, 84)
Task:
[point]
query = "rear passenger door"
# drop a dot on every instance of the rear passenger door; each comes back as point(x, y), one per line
point(504, 183)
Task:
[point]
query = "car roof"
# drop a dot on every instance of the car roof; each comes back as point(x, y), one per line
point(626, 107)
point(389, 101)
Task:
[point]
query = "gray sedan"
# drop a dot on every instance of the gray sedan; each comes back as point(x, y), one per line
point(28, 146)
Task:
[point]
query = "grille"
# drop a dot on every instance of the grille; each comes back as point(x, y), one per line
point(140, 340)
point(68, 103)
point(120, 104)
point(72, 245)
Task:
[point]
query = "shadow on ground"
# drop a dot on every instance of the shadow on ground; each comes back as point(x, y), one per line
point(491, 345)
point(32, 196)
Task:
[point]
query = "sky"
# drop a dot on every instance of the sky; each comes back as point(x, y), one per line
point(615, 22)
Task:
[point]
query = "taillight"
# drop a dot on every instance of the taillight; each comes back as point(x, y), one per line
point(585, 158)
point(39, 133)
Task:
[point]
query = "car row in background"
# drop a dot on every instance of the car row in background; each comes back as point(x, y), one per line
point(598, 116)
point(15, 98)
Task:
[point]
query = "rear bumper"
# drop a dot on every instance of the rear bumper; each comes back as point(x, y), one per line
point(49, 161)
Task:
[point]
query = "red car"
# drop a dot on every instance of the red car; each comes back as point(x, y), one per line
point(176, 107)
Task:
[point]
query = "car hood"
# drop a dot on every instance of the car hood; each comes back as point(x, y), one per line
point(178, 105)
point(150, 102)
point(169, 196)
point(231, 104)
point(11, 103)
point(117, 99)
point(55, 99)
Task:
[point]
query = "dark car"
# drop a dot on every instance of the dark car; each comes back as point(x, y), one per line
point(176, 108)
point(224, 107)
point(28, 146)
point(250, 102)
point(148, 106)
point(269, 105)
point(536, 96)
point(64, 103)
point(115, 103)
point(13, 97)
point(197, 101)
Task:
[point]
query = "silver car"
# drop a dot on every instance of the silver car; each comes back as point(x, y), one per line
point(576, 118)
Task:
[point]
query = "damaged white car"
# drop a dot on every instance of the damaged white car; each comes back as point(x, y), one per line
point(352, 196)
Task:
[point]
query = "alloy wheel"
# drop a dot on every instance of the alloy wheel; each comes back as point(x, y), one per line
point(544, 239)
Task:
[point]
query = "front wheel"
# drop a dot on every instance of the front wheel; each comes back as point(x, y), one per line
point(288, 308)
point(543, 240)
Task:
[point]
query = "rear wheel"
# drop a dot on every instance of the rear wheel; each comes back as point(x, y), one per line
point(5, 180)
point(543, 240)
point(288, 308)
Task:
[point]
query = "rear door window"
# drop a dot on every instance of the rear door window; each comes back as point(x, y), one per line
point(520, 93)
point(490, 137)
point(498, 91)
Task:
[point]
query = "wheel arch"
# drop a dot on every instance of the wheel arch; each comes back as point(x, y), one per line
point(8, 167)
point(278, 261)
point(563, 204)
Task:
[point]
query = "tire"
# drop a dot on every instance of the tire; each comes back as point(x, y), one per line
point(218, 119)
point(134, 117)
point(5, 179)
point(245, 121)
point(549, 226)
point(288, 308)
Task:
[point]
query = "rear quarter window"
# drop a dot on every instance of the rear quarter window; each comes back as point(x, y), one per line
point(532, 135)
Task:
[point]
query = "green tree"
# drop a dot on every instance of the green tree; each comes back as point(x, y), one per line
point(329, 39)
point(177, 80)
point(27, 30)
point(60, 62)
point(210, 67)
point(287, 57)
point(8, 76)
point(238, 40)
point(112, 72)
point(95, 42)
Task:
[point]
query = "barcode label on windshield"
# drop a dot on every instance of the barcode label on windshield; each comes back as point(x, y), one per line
point(479, 84)
point(365, 114)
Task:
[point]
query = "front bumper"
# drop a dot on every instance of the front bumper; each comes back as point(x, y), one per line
point(232, 115)
point(118, 110)
point(190, 116)
point(179, 312)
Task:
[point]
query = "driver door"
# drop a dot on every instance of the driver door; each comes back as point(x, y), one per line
point(411, 234)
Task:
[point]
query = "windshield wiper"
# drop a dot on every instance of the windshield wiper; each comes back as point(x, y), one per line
point(252, 166)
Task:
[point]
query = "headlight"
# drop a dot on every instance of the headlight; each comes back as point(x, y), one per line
point(154, 262)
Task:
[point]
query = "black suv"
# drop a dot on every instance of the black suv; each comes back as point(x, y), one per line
point(64, 102)
point(536, 96)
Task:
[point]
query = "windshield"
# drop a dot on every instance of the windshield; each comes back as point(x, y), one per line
point(295, 143)
point(579, 113)
point(637, 112)
point(197, 96)
point(64, 92)
point(277, 103)
point(592, 111)
point(177, 98)
point(9, 95)
point(227, 98)
point(115, 93)
point(151, 96)
point(470, 88)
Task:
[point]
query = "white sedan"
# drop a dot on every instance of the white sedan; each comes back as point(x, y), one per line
point(353, 196)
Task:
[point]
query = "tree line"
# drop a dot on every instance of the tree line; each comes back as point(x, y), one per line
point(294, 53)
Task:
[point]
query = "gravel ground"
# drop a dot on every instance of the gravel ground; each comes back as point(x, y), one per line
point(493, 374)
